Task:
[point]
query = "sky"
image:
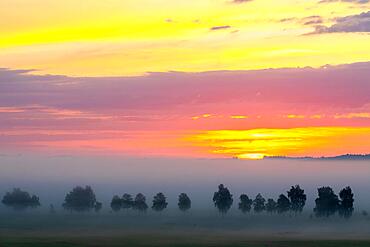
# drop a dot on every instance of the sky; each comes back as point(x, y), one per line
point(194, 78)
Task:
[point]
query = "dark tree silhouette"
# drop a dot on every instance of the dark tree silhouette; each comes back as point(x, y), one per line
point(327, 203)
point(98, 206)
point(283, 204)
point(259, 204)
point(127, 201)
point(346, 202)
point(19, 200)
point(184, 202)
point(271, 206)
point(140, 203)
point(245, 204)
point(223, 199)
point(80, 199)
point(159, 202)
point(297, 198)
point(116, 203)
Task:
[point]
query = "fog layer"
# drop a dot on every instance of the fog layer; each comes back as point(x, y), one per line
point(50, 177)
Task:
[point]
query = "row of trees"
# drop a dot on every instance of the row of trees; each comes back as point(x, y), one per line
point(159, 202)
point(327, 202)
point(83, 199)
point(294, 201)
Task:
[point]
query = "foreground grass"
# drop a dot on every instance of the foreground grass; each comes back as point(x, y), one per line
point(144, 241)
point(193, 230)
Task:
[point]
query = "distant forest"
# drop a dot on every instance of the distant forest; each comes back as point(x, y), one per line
point(83, 199)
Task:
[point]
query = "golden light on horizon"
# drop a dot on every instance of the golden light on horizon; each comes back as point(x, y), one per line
point(252, 156)
point(309, 141)
point(238, 117)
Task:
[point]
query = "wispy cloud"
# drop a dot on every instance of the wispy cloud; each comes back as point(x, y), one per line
point(347, 24)
point(353, 115)
point(215, 28)
point(345, 1)
point(241, 1)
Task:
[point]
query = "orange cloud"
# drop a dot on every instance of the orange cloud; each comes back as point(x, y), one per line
point(239, 117)
point(295, 116)
point(10, 110)
point(353, 115)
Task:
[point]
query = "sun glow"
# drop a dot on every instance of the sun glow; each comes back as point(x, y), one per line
point(310, 141)
point(255, 156)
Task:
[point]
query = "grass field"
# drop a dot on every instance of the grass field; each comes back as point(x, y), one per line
point(178, 230)
point(166, 241)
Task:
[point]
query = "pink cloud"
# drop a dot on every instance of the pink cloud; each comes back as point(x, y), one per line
point(181, 102)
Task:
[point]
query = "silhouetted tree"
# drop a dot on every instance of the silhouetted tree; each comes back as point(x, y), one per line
point(346, 203)
point(223, 199)
point(126, 201)
point(184, 202)
point(327, 202)
point(271, 206)
point(80, 199)
point(116, 203)
point(18, 199)
point(159, 202)
point(245, 204)
point(98, 206)
point(283, 204)
point(140, 203)
point(297, 198)
point(259, 204)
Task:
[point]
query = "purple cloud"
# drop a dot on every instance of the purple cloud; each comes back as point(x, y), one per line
point(241, 1)
point(215, 28)
point(346, 85)
point(345, 1)
point(347, 24)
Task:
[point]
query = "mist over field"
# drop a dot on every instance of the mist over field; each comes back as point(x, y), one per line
point(51, 177)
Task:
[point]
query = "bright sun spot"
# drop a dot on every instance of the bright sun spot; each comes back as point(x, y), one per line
point(255, 156)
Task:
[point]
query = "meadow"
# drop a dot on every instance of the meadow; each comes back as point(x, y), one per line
point(171, 228)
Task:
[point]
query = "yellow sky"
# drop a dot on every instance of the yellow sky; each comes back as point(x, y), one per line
point(115, 37)
point(257, 143)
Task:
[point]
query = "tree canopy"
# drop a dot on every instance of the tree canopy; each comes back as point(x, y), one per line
point(271, 206)
point(19, 199)
point(127, 201)
point(346, 202)
point(184, 202)
point(140, 203)
point(297, 198)
point(223, 199)
point(283, 204)
point(116, 203)
point(159, 202)
point(245, 204)
point(327, 202)
point(259, 203)
point(80, 199)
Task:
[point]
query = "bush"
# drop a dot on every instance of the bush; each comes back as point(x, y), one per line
point(80, 199)
point(19, 199)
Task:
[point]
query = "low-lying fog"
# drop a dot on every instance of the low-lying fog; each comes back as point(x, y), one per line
point(51, 177)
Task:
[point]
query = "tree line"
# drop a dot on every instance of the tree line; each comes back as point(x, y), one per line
point(81, 199)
